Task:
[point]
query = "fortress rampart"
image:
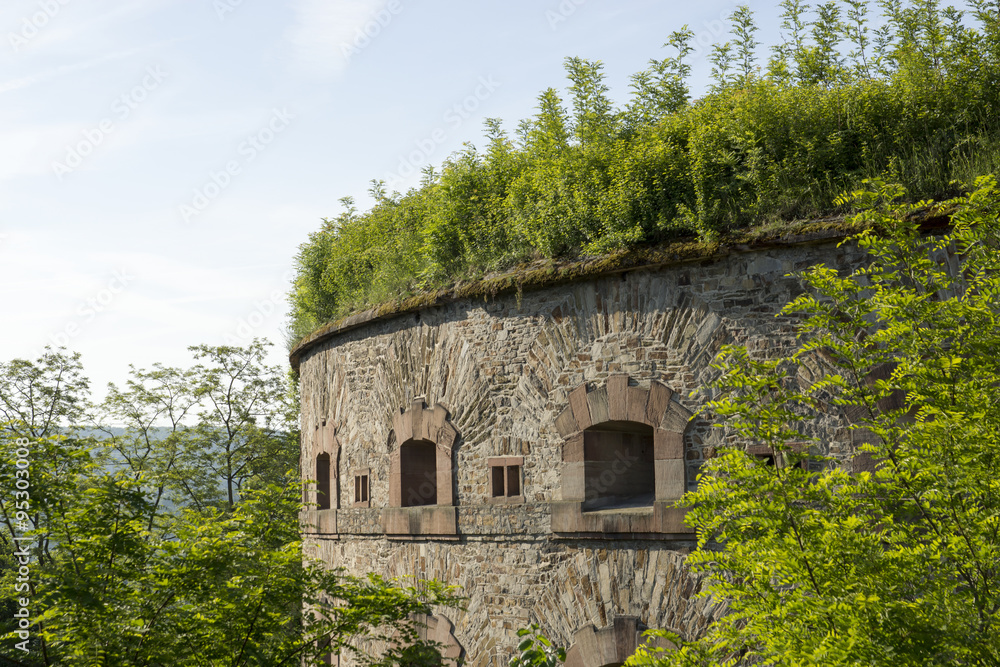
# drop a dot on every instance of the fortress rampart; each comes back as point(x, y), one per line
point(528, 446)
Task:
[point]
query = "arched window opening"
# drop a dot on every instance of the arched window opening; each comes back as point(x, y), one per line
point(418, 473)
point(619, 468)
point(323, 481)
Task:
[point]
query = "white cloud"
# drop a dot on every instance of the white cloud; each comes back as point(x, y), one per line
point(324, 32)
point(67, 24)
point(24, 81)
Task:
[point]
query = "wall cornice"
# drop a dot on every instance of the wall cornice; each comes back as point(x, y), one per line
point(548, 273)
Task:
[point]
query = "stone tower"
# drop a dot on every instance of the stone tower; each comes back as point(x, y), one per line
point(528, 443)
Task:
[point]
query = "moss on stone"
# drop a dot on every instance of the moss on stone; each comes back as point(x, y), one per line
point(546, 273)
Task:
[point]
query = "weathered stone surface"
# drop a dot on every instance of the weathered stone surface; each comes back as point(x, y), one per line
point(509, 371)
point(659, 400)
point(670, 479)
point(597, 401)
point(668, 444)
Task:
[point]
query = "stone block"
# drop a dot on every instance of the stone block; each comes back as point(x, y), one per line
point(428, 520)
point(438, 417)
point(445, 493)
point(573, 481)
point(565, 517)
point(573, 449)
point(581, 410)
point(597, 401)
point(637, 398)
point(670, 519)
point(395, 489)
point(642, 522)
point(416, 414)
point(668, 445)
point(616, 522)
point(404, 428)
point(670, 483)
point(566, 423)
point(326, 522)
point(659, 400)
point(618, 397)
point(675, 418)
point(446, 436)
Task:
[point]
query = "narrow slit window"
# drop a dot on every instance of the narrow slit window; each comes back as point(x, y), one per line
point(769, 458)
point(513, 481)
point(323, 481)
point(361, 488)
point(505, 477)
point(498, 481)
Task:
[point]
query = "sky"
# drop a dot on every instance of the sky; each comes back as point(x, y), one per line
point(161, 161)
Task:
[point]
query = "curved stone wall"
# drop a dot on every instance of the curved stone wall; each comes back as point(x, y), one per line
point(605, 373)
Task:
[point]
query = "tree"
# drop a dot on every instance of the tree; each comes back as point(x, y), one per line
point(37, 397)
point(216, 576)
point(243, 426)
point(536, 650)
point(896, 564)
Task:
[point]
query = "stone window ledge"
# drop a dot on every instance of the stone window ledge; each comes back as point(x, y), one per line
point(318, 522)
point(429, 520)
point(659, 519)
point(505, 500)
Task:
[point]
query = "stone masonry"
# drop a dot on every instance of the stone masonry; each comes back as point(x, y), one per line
point(516, 411)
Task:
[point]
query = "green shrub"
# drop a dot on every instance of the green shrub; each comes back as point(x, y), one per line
point(912, 101)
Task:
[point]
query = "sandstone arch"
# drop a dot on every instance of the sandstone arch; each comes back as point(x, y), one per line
point(326, 445)
point(618, 403)
point(610, 646)
point(429, 430)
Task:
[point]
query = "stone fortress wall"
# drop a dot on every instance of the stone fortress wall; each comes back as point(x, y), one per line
point(528, 447)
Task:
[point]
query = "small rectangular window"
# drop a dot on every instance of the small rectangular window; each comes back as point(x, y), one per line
point(513, 480)
point(361, 488)
point(505, 478)
point(769, 458)
point(323, 481)
point(498, 481)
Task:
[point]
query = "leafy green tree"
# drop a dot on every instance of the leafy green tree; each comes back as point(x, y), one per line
point(894, 563)
point(201, 588)
point(662, 88)
point(906, 91)
point(243, 430)
point(138, 556)
point(594, 116)
point(856, 30)
point(785, 62)
point(38, 397)
point(537, 650)
point(722, 62)
point(149, 439)
point(823, 62)
point(744, 29)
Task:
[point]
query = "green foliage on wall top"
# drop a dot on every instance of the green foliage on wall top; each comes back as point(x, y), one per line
point(837, 102)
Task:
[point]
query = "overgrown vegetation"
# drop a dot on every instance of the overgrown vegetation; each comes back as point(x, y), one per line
point(907, 92)
point(894, 564)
